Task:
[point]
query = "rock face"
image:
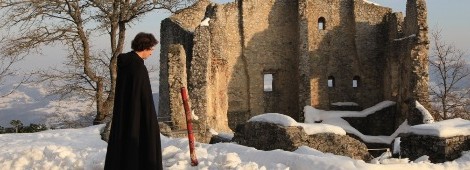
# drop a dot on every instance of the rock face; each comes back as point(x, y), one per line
point(268, 136)
point(438, 149)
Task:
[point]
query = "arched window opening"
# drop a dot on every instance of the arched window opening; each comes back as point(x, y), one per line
point(331, 81)
point(321, 23)
point(356, 81)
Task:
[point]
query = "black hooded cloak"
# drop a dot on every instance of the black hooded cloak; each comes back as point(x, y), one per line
point(134, 140)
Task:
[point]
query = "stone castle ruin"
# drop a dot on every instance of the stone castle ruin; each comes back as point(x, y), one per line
point(250, 57)
point(322, 53)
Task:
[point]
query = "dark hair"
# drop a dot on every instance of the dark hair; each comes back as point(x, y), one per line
point(143, 41)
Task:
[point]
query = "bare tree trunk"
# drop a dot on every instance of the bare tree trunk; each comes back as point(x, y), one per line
point(444, 108)
point(100, 115)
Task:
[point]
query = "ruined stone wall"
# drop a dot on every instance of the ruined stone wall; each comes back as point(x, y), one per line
point(305, 87)
point(217, 47)
point(438, 149)
point(324, 46)
point(174, 34)
point(226, 61)
point(224, 51)
point(177, 79)
point(231, 55)
point(352, 44)
point(391, 74)
point(270, 46)
point(189, 18)
point(230, 82)
point(268, 136)
point(370, 39)
point(409, 53)
point(178, 29)
point(199, 87)
point(416, 23)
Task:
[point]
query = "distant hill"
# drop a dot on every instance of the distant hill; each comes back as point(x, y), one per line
point(30, 104)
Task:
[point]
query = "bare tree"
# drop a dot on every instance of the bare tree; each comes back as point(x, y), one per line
point(450, 69)
point(74, 23)
point(8, 72)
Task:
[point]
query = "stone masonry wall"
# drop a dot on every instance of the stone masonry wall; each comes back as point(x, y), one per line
point(370, 40)
point(176, 30)
point(352, 44)
point(410, 53)
point(174, 34)
point(226, 45)
point(305, 87)
point(245, 43)
point(438, 149)
point(199, 87)
point(217, 48)
point(391, 74)
point(189, 18)
point(177, 79)
point(419, 51)
point(245, 39)
point(329, 48)
point(270, 37)
point(267, 136)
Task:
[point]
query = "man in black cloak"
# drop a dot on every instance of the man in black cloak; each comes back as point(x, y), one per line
point(134, 140)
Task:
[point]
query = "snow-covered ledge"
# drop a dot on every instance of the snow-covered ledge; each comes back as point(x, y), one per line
point(443, 129)
point(334, 118)
point(441, 141)
point(285, 120)
point(427, 117)
point(313, 115)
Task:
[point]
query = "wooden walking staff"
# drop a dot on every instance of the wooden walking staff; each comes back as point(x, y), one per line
point(187, 110)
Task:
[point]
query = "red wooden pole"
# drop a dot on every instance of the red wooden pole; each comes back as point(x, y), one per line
point(187, 110)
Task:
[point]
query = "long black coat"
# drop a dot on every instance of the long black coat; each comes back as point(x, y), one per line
point(134, 140)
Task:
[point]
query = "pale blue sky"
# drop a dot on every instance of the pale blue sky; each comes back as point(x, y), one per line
point(451, 15)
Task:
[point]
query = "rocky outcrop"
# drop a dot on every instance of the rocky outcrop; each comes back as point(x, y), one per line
point(268, 136)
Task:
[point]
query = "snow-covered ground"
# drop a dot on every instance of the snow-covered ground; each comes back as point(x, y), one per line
point(83, 149)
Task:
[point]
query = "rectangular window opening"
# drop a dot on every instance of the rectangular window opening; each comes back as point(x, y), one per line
point(268, 82)
point(354, 83)
point(330, 83)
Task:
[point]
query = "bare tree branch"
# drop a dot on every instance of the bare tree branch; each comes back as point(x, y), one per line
point(449, 67)
point(34, 24)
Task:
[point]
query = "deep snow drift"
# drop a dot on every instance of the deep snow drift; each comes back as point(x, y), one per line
point(83, 149)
